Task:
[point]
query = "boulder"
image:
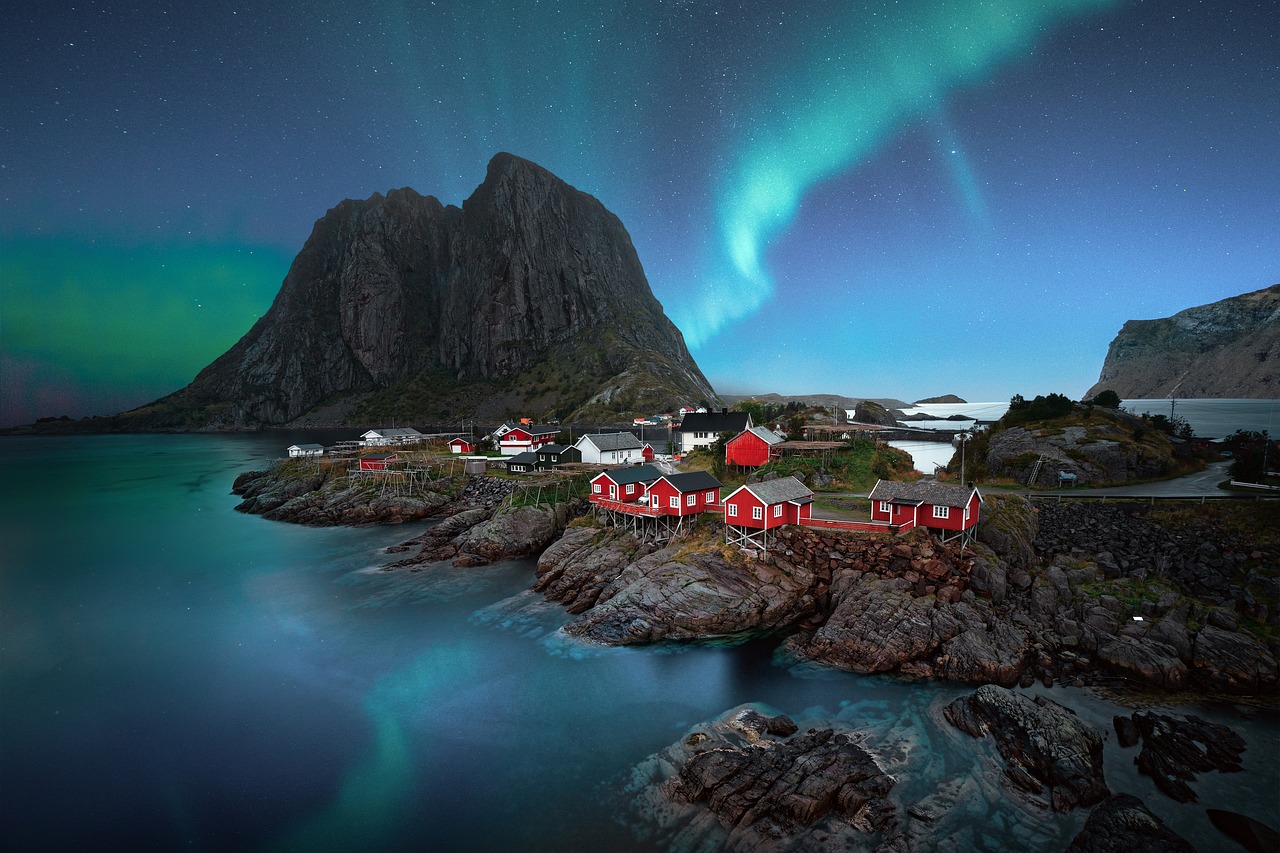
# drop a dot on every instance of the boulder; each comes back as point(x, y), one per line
point(1043, 744)
point(1123, 824)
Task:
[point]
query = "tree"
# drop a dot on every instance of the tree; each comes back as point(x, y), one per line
point(1108, 399)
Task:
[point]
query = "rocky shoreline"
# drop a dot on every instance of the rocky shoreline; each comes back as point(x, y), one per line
point(1070, 594)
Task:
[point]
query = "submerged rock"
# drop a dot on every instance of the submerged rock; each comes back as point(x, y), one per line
point(1043, 744)
point(1122, 824)
point(1176, 750)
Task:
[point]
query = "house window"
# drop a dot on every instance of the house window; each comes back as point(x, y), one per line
point(691, 500)
point(777, 511)
point(941, 511)
point(733, 510)
point(675, 501)
point(966, 514)
point(595, 487)
point(631, 488)
point(884, 507)
point(653, 501)
point(613, 492)
point(711, 497)
point(757, 512)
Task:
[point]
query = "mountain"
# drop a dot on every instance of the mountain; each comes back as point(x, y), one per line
point(1229, 348)
point(529, 299)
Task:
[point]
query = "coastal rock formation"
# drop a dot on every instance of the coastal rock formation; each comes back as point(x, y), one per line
point(1123, 823)
point(314, 499)
point(1175, 750)
point(747, 781)
point(530, 297)
point(1229, 348)
point(1044, 745)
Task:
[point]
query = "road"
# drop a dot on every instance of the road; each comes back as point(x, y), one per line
point(1191, 486)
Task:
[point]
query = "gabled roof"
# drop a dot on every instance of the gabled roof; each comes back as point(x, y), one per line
point(693, 481)
point(765, 434)
point(612, 441)
point(395, 432)
point(377, 457)
point(526, 458)
point(734, 422)
point(779, 491)
point(306, 447)
point(463, 439)
point(937, 494)
point(638, 474)
point(535, 429)
point(552, 448)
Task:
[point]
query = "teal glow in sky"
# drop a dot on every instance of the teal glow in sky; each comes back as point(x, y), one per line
point(874, 199)
point(855, 88)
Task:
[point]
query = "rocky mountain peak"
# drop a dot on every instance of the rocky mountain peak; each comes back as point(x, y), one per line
point(529, 299)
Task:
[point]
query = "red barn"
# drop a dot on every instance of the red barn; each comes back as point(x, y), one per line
point(684, 494)
point(646, 453)
point(463, 445)
point(623, 484)
point(376, 461)
point(751, 448)
point(952, 510)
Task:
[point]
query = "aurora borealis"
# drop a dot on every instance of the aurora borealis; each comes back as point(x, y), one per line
point(874, 199)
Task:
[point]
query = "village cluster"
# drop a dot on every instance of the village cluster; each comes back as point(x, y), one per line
point(640, 488)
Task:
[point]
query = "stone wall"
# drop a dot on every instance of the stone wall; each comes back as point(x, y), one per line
point(930, 567)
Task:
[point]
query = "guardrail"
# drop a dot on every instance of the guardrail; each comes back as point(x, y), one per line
point(1059, 497)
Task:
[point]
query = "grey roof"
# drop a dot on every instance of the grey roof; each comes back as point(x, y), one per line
point(307, 446)
point(638, 474)
point(766, 434)
point(692, 481)
point(526, 458)
point(551, 448)
point(937, 494)
point(397, 432)
point(734, 422)
point(613, 441)
point(781, 489)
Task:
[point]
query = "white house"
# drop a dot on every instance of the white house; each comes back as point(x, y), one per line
point(700, 429)
point(296, 450)
point(392, 435)
point(610, 448)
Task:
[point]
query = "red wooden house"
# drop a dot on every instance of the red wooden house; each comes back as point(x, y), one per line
point(646, 452)
point(751, 511)
point(463, 445)
point(526, 437)
point(752, 447)
point(623, 484)
point(951, 510)
point(376, 461)
point(684, 494)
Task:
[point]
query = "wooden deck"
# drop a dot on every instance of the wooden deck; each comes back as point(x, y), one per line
point(863, 526)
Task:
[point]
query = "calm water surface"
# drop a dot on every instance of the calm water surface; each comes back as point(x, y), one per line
point(174, 674)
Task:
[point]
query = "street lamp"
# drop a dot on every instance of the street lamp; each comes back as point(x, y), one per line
point(962, 438)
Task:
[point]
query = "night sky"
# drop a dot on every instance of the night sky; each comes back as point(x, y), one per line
point(873, 199)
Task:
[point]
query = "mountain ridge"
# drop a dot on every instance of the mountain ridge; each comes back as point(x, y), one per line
point(528, 299)
point(1228, 348)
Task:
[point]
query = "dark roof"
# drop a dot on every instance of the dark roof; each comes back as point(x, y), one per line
point(638, 474)
point(378, 456)
point(551, 448)
point(526, 458)
point(613, 441)
point(734, 422)
point(781, 489)
point(937, 494)
point(693, 481)
point(540, 429)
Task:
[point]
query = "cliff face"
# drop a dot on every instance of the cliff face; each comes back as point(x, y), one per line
point(529, 299)
point(1226, 349)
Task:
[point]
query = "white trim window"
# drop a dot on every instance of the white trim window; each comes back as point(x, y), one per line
point(690, 499)
point(941, 511)
point(777, 511)
point(613, 492)
point(631, 488)
point(595, 488)
point(885, 508)
point(675, 501)
point(733, 510)
point(757, 512)
point(711, 497)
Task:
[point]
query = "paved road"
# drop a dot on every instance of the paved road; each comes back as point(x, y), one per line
point(1191, 486)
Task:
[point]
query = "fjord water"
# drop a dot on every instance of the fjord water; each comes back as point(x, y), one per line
point(176, 675)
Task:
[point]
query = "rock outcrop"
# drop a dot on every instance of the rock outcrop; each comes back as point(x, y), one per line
point(1044, 745)
point(749, 782)
point(1229, 348)
point(530, 297)
point(1176, 750)
point(1122, 823)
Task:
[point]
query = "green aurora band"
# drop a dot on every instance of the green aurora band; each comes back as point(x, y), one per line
point(869, 76)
